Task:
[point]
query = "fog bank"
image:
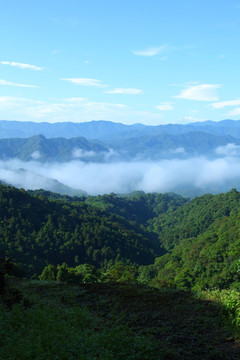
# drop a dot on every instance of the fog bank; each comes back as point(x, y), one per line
point(123, 177)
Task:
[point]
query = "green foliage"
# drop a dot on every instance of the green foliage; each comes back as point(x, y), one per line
point(206, 236)
point(37, 232)
point(121, 272)
point(83, 273)
point(230, 305)
point(49, 273)
point(194, 217)
point(138, 206)
point(201, 236)
point(86, 273)
point(146, 274)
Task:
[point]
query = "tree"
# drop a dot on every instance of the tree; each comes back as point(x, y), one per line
point(120, 272)
point(49, 273)
point(86, 273)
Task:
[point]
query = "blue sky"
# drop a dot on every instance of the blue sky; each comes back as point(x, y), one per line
point(152, 62)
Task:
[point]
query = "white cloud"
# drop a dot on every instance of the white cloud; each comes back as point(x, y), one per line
point(22, 66)
point(234, 112)
point(100, 156)
point(204, 92)
point(36, 155)
point(123, 177)
point(165, 106)
point(193, 119)
point(74, 110)
point(82, 154)
point(230, 149)
point(10, 83)
point(222, 104)
point(127, 91)
point(76, 100)
point(151, 51)
point(85, 82)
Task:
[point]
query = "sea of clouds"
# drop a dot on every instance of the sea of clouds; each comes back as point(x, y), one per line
point(123, 177)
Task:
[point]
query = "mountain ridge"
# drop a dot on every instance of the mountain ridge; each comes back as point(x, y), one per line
point(102, 129)
point(146, 147)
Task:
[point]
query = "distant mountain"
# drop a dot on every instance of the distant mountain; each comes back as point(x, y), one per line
point(107, 147)
point(148, 147)
point(111, 131)
point(173, 146)
point(57, 149)
point(89, 130)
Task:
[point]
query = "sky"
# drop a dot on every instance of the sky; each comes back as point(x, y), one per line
point(130, 61)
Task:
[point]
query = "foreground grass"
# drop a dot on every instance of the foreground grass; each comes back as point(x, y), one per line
point(113, 321)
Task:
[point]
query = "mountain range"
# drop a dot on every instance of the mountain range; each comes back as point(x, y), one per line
point(101, 141)
point(107, 130)
point(101, 129)
point(66, 157)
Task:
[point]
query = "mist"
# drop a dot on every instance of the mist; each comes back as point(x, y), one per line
point(123, 177)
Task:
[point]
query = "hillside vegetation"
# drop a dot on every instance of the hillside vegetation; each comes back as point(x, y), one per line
point(170, 240)
point(204, 238)
point(36, 232)
point(117, 274)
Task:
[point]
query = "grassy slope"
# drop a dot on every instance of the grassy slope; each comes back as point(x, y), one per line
point(112, 321)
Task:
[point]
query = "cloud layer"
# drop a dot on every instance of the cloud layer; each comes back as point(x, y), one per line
point(124, 177)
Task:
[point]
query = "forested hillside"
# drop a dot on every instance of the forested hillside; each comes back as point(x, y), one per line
point(36, 232)
point(173, 241)
point(138, 206)
point(99, 256)
point(204, 238)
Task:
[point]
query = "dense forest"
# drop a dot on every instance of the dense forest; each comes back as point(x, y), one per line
point(138, 276)
point(170, 240)
point(36, 232)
